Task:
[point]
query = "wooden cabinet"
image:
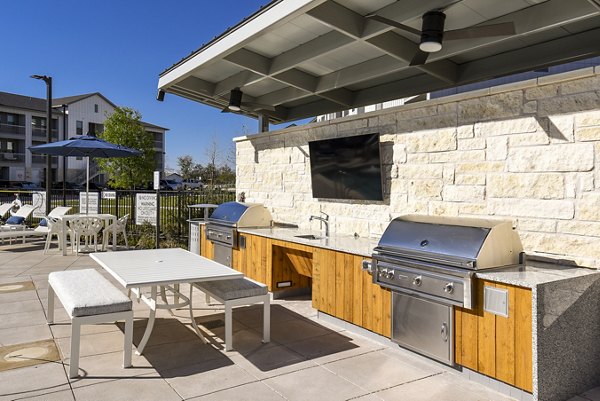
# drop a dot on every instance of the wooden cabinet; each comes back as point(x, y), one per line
point(341, 289)
point(339, 286)
point(497, 346)
point(272, 261)
point(254, 258)
point(206, 247)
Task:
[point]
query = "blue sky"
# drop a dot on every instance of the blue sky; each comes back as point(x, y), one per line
point(118, 48)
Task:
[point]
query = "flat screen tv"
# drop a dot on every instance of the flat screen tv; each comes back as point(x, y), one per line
point(346, 168)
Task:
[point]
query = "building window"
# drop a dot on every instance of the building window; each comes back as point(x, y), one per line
point(95, 108)
point(38, 122)
point(79, 127)
point(95, 129)
point(11, 119)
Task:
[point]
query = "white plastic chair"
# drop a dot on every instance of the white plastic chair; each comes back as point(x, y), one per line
point(87, 228)
point(120, 225)
point(54, 228)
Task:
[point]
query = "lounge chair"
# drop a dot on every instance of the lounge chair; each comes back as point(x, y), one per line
point(17, 220)
point(4, 208)
point(55, 213)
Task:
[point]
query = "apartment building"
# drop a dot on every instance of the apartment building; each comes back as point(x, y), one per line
point(23, 124)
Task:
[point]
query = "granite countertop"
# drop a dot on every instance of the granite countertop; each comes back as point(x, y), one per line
point(343, 243)
point(534, 273)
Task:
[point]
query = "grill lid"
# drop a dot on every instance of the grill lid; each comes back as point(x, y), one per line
point(242, 214)
point(462, 242)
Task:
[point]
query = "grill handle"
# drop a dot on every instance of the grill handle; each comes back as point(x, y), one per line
point(444, 332)
point(367, 266)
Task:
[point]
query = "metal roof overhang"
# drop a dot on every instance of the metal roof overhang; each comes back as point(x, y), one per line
point(311, 57)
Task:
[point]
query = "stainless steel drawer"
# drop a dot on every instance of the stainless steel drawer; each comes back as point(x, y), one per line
point(423, 326)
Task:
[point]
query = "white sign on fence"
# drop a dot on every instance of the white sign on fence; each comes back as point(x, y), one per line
point(145, 208)
point(109, 195)
point(39, 202)
point(93, 202)
point(156, 180)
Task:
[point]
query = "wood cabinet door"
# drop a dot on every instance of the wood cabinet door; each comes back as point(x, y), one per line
point(206, 246)
point(342, 289)
point(494, 345)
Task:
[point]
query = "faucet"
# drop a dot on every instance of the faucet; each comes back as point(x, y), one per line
point(325, 221)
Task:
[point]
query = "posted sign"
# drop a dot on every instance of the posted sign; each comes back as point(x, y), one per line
point(109, 195)
point(39, 202)
point(145, 208)
point(92, 205)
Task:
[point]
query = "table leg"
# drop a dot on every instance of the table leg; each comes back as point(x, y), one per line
point(114, 234)
point(63, 237)
point(163, 295)
point(194, 325)
point(150, 326)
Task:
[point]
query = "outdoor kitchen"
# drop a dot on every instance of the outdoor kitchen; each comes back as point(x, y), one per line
point(476, 255)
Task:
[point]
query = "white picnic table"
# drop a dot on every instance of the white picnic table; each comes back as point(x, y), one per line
point(165, 268)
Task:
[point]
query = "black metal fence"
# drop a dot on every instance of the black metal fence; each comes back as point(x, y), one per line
point(174, 211)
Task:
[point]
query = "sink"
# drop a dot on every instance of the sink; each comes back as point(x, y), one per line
point(308, 236)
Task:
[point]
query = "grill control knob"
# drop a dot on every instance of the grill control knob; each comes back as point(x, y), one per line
point(449, 288)
point(390, 274)
point(418, 281)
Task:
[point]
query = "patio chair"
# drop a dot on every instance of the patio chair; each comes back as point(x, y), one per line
point(54, 228)
point(87, 228)
point(17, 220)
point(120, 225)
point(59, 211)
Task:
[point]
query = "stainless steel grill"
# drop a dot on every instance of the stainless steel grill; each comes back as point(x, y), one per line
point(429, 263)
point(437, 256)
point(222, 226)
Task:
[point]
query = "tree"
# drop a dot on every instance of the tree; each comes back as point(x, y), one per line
point(226, 175)
point(187, 167)
point(124, 127)
point(213, 154)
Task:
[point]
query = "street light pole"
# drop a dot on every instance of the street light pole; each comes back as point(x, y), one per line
point(48, 81)
point(64, 169)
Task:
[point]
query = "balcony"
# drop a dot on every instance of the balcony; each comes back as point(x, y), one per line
point(12, 157)
point(41, 159)
point(40, 132)
point(12, 129)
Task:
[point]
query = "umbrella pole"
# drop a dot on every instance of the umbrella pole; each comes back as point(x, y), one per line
point(87, 186)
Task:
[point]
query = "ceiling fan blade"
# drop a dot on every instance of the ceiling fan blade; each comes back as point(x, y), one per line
point(258, 106)
point(503, 29)
point(419, 58)
point(393, 23)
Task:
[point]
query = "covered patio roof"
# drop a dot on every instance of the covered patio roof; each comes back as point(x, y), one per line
point(300, 58)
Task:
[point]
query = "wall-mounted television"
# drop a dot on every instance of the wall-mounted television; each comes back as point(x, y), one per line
point(346, 168)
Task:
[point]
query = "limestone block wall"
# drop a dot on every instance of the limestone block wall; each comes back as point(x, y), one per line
point(527, 151)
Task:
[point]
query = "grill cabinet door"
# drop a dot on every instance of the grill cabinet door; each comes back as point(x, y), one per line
point(423, 326)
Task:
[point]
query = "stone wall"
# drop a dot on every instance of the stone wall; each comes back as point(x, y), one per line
point(528, 151)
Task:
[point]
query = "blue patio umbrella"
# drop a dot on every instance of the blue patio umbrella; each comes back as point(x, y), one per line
point(85, 146)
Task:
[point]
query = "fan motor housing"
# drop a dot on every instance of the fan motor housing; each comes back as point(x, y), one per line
point(433, 27)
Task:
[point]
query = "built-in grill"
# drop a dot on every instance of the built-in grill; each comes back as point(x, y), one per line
point(223, 223)
point(429, 263)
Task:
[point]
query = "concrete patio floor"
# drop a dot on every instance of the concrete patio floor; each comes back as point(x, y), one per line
point(307, 358)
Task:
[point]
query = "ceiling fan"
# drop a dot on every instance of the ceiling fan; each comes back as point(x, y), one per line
point(236, 104)
point(432, 32)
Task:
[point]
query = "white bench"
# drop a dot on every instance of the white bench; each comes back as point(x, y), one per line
point(237, 292)
point(89, 298)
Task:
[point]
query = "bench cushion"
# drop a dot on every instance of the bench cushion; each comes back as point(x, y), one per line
point(87, 292)
point(234, 289)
